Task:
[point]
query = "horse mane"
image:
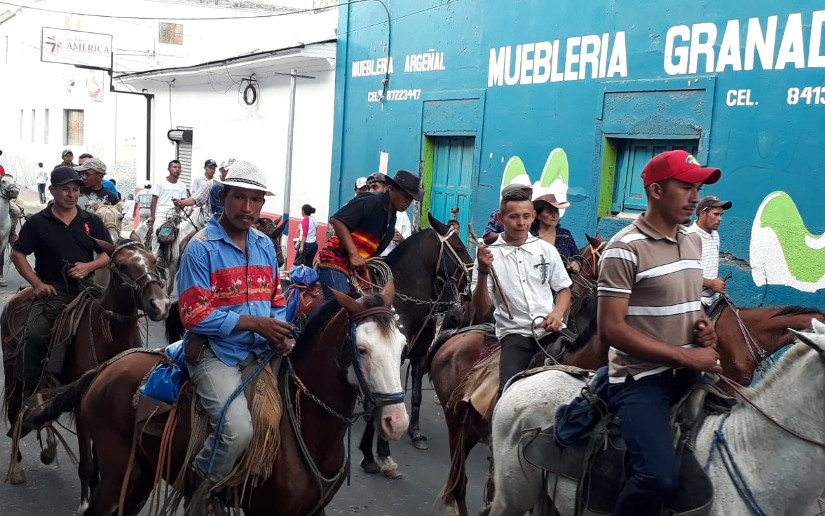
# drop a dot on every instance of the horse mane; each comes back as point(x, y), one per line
point(798, 310)
point(397, 254)
point(318, 322)
point(777, 373)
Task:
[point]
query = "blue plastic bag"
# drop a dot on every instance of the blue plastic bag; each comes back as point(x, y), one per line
point(300, 277)
point(166, 378)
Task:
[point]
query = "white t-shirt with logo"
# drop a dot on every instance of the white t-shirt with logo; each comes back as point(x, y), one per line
point(165, 192)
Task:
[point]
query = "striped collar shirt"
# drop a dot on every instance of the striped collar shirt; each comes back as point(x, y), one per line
point(710, 260)
point(529, 275)
point(662, 278)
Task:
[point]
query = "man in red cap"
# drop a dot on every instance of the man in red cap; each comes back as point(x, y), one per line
point(651, 316)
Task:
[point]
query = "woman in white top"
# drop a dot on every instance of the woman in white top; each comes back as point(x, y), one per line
point(307, 244)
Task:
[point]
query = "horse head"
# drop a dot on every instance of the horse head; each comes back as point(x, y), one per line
point(376, 344)
point(585, 280)
point(274, 232)
point(8, 187)
point(456, 261)
point(133, 267)
point(112, 216)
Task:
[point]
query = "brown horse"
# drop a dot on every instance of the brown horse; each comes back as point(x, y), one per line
point(104, 328)
point(320, 393)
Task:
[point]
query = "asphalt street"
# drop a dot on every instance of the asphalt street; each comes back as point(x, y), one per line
point(54, 490)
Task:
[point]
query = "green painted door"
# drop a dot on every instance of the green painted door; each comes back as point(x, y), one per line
point(452, 183)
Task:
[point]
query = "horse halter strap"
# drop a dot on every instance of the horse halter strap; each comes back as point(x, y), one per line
point(372, 399)
point(452, 283)
point(126, 280)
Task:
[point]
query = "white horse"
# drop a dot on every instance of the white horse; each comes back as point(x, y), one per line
point(8, 191)
point(168, 256)
point(784, 472)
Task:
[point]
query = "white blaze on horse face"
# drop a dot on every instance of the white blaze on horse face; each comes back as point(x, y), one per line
point(381, 362)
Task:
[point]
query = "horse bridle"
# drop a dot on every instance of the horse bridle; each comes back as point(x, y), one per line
point(373, 400)
point(5, 191)
point(593, 262)
point(134, 284)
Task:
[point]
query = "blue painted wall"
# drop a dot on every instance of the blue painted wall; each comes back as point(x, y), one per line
point(773, 141)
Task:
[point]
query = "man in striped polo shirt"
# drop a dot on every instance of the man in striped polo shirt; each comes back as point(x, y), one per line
point(651, 316)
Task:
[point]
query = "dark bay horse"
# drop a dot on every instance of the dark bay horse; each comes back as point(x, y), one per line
point(104, 328)
point(431, 270)
point(321, 383)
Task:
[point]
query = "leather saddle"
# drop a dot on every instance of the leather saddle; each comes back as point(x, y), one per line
point(599, 464)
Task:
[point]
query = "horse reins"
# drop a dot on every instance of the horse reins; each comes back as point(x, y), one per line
point(738, 390)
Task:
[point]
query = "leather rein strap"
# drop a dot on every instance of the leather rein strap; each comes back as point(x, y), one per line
point(738, 389)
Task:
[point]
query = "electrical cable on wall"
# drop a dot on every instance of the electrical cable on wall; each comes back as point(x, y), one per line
point(248, 92)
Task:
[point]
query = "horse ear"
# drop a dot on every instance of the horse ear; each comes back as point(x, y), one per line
point(591, 240)
point(815, 339)
point(94, 205)
point(119, 205)
point(437, 225)
point(106, 246)
point(388, 293)
point(349, 304)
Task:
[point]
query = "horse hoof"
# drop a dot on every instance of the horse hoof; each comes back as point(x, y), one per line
point(436, 400)
point(84, 506)
point(420, 443)
point(390, 468)
point(4, 283)
point(16, 475)
point(47, 455)
point(370, 467)
point(451, 511)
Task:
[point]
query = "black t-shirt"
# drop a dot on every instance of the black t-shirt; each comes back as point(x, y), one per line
point(102, 196)
point(366, 218)
point(55, 244)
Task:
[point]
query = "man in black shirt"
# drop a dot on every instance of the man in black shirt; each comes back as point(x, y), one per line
point(92, 172)
point(364, 227)
point(59, 237)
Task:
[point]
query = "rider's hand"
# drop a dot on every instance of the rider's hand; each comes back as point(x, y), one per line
point(357, 262)
point(150, 221)
point(397, 237)
point(718, 285)
point(80, 270)
point(575, 266)
point(705, 333)
point(552, 323)
point(705, 360)
point(273, 330)
point(485, 260)
point(42, 290)
point(285, 347)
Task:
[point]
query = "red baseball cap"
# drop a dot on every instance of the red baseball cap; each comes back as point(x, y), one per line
point(680, 165)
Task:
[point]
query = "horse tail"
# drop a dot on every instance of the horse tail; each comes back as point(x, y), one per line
point(62, 399)
point(174, 325)
point(457, 476)
point(443, 337)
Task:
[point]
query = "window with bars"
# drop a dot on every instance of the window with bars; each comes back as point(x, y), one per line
point(73, 127)
point(629, 194)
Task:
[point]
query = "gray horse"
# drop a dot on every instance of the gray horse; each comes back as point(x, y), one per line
point(8, 192)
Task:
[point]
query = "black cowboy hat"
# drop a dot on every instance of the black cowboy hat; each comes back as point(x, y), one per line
point(408, 181)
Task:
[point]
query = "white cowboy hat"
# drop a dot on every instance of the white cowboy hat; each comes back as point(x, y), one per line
point(244, 174)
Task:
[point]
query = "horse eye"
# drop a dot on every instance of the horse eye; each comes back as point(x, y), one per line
point(362, 351)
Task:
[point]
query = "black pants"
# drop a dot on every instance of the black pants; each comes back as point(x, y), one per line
point(308, 256)
point(516, 353)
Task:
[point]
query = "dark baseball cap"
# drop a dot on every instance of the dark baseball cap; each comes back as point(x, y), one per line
point(711, 201)
point(377, 177)
point(64, 175)
point(209, 163)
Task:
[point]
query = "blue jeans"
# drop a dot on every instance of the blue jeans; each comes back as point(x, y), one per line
point(215, 382)
point(332, 278)
point(644, 409)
